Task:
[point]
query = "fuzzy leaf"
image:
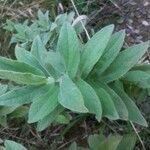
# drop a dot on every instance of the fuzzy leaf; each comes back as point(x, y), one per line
point(127, 143)
point(11, 145)
point(47, 120)
point(119, 104)
point(134, 114)
point(38, 49)
point(3, 88)
point(23, 78)
point(68, 46)
point(43, 105)
point(4, 110)
point(22, 95)
point(95, 140)
point(139, 78)
point(70, 96)
point(13, 65)
point(142, 67)
point(111, 51)
point(94, 49)
point(25, 56)
point(124, 62)
point(109, 109)
point(91, 100)
point(54, 59)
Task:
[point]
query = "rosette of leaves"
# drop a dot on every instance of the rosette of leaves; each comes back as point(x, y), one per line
point(44, 26)
point(83, 78)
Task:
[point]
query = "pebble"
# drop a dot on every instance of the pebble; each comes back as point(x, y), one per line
point(145, 23)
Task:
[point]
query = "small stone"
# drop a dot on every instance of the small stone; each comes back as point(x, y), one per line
point(136, 31)
point(145, 23)
point(146, 3)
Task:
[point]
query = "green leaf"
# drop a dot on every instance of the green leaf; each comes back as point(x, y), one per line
point(73, 146)
point(4, 110)
point(124, 62)
point(23, 78)
point(47, 120)
point(11, 145)
point(108, 106)
point(13, 65)
point(38, 49)
point(62, 119)
point(70, 96)
point(20, 112)
point(22, 95)
point(95, 140)
point(142, 67)
point(94, 49)
point(111, 143)
point(119, 104)
point(91, 100)
point(139, 78)
point(54, 59)
point(127, 143)
point(68, 46)
point(111, 51)
point(3, 88)
point(134, 114)
point(25, 56)
point(43, 105)
point(3, 121)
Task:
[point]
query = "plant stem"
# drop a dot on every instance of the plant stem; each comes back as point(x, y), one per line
point(87, 34)
point(138, 135)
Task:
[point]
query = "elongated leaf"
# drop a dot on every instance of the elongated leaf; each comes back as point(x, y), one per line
point(134, 114)
point(111, 51)
point(127, 143)
point(47, 120)
point(38, 49)
point(109, 109)
point(94, 49)
point(124, 62)
point(119, 104)
point(23, 78)
point(142, 67)
point(43, 105)
point(27, 57)
point(68, 46)
point(3, 88)
point(139, 78)
point(11, 145)
point(91, 100)
point(95, 140)
point(70, 96)
point(73, 146)
point(20, 112)
point(54, 59)
point(13, 65)
point(111, 143)
point(22, 95)
point(4, 110)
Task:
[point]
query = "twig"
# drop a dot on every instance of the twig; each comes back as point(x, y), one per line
point(87, 34)
point(138, 135)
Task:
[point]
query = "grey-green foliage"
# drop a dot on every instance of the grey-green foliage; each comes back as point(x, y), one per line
point(11, 145)
point(73, 77)
point(44, 27)
point(112, 142)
